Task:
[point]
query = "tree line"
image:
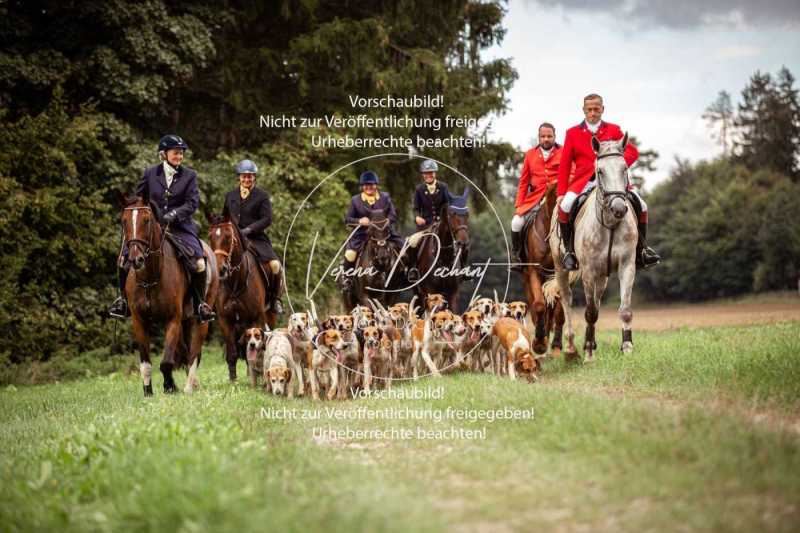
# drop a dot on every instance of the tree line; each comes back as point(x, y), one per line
point(87, 89)
point(731, 225)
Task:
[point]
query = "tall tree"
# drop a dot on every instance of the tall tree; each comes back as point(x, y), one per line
point(768, 124)
point(719, 117)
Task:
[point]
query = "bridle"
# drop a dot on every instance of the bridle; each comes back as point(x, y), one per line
point(607, 197)
point(229, 253)
point(146, 247)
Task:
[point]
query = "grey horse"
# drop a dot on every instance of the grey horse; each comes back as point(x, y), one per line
point(605, 241)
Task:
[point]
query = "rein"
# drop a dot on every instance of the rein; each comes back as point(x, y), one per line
point(230, 251)
point(146, 248)
point(606, 198)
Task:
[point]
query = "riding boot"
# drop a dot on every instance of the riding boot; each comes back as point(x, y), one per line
point(119, 309)
point(275, 304)
point(345, 280)
point(516, 248)
point(412, 272)
point(645, 256)
point(570, 260)
point(204, 311)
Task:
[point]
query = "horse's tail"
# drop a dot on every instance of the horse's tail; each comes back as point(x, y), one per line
point(551, 292)
point(550, 287)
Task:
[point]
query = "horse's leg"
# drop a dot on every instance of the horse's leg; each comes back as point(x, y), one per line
point(562, 277)
point(538, 312)
point(145, 368)
point(231, 353)
point(626, 277)
point(197, 335)
point(592, 289)
point(172, 339)
point(334, 377)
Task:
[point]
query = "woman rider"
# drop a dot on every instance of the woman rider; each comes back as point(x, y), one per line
point(173, 188)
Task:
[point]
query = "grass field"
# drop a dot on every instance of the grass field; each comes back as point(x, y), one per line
point(698, 430)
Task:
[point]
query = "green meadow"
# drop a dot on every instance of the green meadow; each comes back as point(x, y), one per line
point(698, 430)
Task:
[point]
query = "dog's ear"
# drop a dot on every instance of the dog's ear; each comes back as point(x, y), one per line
point(243, 338)
point(287, 374)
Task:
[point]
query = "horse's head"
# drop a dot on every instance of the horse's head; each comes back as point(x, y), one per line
point(379, 232)
point(612, 175)
point(225, 240)
point(457, 218)
point(141, 230)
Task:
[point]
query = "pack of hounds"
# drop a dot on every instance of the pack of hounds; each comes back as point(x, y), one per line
point(371, 347)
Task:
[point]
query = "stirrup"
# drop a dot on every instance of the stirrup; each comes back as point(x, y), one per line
point(119, 309)
point(570, 261)
point(203, 315)
point(276, 306)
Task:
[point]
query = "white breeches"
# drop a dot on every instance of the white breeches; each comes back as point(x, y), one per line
point(517, 223)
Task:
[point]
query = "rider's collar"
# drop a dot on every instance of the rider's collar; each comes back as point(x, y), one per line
point(593, 127)
point(170, 171)
point(431, 187)
point(370, 199)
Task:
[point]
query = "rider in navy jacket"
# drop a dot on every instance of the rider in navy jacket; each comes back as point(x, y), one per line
point(361, 205)
point(173, 189)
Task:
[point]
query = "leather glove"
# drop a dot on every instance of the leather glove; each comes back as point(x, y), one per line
point(170, 217)
point(247, 231)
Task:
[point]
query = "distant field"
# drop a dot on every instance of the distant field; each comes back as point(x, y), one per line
point(750, 310)
point(698, 430)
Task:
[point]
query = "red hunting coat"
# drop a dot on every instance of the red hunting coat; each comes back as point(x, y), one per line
point(537, 174)
point(578, 151)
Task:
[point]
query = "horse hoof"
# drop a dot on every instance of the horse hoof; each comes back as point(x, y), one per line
point(572, 356)
point(148, 390)
point(627, 347)
point(555, 351)
point(540, 348)
point(170, 389)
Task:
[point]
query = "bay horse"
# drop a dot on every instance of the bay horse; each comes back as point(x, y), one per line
point(242, 296)
point(536, 271)
point(445, 244)
point(605, 241)
point(157, 290)
point(380, 254)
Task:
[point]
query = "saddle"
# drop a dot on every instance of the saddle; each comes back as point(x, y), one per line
point(185, 258)
point(529, 220)
point(576, 206)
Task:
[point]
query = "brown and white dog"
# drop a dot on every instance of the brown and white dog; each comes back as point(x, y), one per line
point(302, 330)
point(350, 366)
point(254, 342)
point(484, 305)
point(435, 301)
point(518, 311)
point(516, 342)
point(423, 343)
point(327, 357)
point(476, 345)
point(377, 358)
point(277, 374)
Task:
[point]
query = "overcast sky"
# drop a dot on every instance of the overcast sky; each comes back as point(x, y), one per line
point(657, 63)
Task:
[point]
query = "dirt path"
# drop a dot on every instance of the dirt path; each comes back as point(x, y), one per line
point(698, 315)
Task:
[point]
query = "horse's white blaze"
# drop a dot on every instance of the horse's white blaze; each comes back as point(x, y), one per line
point(219, 232)
point(135, 212)
point(145, 369)
point(191, 378)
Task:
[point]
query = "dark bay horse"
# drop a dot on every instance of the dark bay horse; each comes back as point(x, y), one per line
point(157, 292)
point(380, 254)
point(539, 266)
point(443, 253)
point(242, 296)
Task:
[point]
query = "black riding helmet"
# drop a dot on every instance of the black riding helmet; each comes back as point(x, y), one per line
point(169, 142)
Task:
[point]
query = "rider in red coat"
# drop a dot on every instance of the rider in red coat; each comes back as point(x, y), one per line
point(539, 170)
point(578, 151)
